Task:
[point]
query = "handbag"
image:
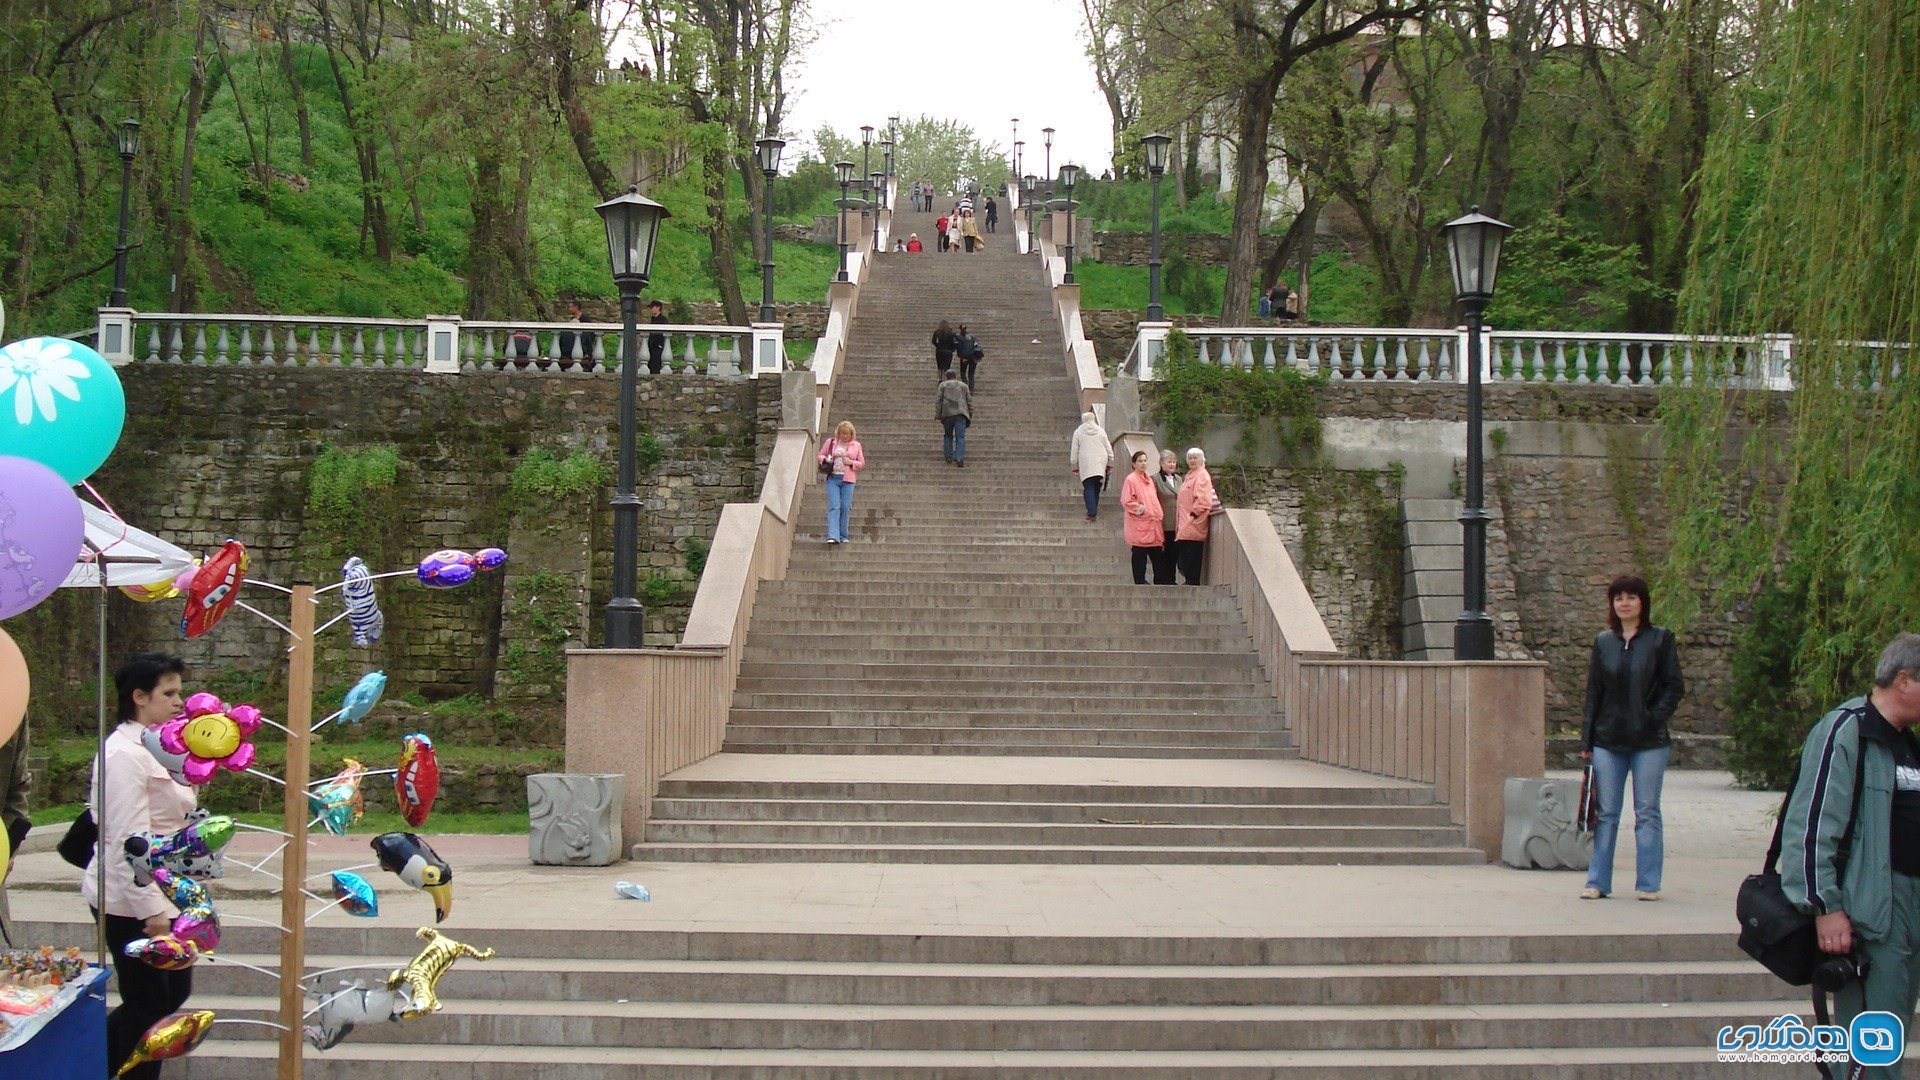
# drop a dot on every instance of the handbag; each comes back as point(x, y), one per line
point(1588, 818)
point(826, 463)
point(76, 847)
point(1772, 930)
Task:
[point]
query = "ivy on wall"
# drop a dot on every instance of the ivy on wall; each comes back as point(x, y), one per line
point(351, 497)
point(1188, 395)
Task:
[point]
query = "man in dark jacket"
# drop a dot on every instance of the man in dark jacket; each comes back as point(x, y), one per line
point(1865, 900)
point(967, 349)
point(953, 407)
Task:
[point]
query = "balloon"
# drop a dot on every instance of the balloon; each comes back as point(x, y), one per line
point(166, 952)
point(209, 734)
point(214, 588)
point(184, 579)
point(151, 594)
point(67, 408)
point(338, 802)
point(14, 685)
point(197, 921)
point(363, 610)
point(450, 568)
point(422, 976)
point(340, 1010)
point(193, 852)
point(356, 896)
point(418, 780)
point(414, 862)
point(175, 764)
point(176, 1036)
point(41, 530)
point(363, 697)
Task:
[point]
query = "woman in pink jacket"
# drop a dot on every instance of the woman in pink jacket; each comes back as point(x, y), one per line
point(1195, 504)
point(841, 458)
point(1144, 517)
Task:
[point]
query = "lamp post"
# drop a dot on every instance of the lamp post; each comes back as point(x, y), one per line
point(1047, 162)
point(866, 167)
point(886, 159)
point(1016, 150)
point(1154, 147)
point(843, 172)
point(1473, 248)
point(128, 140)
point(876, 184)
point(769, 154)
point(1027, 184)
point(1068, 175)
point(633, 224)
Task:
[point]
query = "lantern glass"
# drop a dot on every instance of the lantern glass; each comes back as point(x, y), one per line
point(633, 225)
point(128, 137)
point(1155, 148)
point(769, 154)
point(1068, 175)
point(1473, 249)
point(1048, 132)
point(843, 171)
point(866, 134)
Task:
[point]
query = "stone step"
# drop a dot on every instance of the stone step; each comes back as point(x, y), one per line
point(970, 697)
point(1213, 597)
point(1083, 659)
point(1061, 673)
point(830, 640)
point(760, 808)
point(664, 830)
point(1014, 623)
point(887, 791)
point(1075, 855)
point(1244, 726)
point(1044, 688)
point(1135, 602)
point(774, 742)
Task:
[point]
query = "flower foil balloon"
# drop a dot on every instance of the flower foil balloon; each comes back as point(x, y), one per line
point(166, 952)
point(413, 861)
point(363, 608)
point(355, 894)
point(338, 802)
point(451, 568)
point(418, 779)
point(41, 532)
point(363, 697)
point(197, 921)
point(421, 978)
point(61, 404)
point(209, 734)
point(193, 851)
point(175, 1036)
point(214, 589)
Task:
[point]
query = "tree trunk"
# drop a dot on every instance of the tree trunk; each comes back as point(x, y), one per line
point(373, 206)
point(1181, 158)
point(284, 28)
point(184, 292)
point(1249, 192)
point(574, 111)
point(1301, 227)
point(756, 188)
point(726, 265)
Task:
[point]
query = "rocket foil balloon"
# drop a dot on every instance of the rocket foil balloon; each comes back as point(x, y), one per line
point(214, 589)
point(193, 851)
point(418, 779)
point(339, 1010)
point(176, 1036)
point(410, 859)
point(451, 568)
point(338, 803)
point(363, 609)
point(420, 979)
point(166, 952)
point(197, 921)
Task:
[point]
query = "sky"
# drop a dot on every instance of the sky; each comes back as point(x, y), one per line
point(874, 59)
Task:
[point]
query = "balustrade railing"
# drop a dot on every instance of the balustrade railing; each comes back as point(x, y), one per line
point(436, 344)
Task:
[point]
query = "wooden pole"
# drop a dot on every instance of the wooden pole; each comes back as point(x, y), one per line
point(293, 864)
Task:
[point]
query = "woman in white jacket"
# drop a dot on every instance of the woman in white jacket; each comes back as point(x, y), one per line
point(1089, 453)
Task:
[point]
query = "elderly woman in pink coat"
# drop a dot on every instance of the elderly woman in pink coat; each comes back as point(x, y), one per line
point(1144, 517)
point(1194, 505)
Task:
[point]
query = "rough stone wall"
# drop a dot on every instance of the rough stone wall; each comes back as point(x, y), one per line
point(212, 453)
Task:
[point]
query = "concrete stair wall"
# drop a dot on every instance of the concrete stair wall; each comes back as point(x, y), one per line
point(1431, 590)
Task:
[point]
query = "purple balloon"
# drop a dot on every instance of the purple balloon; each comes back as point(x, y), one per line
point(490, 558)
point(41, 532)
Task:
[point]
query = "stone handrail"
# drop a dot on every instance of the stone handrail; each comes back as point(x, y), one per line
point(1462, 727)
point(1083, 365)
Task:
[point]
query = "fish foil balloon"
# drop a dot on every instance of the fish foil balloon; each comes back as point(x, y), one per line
point(363, 609)
point(355, 894)
point(450, 568)
point(210, 734)
point(193, 851)
point(338, 803)
point(175, 1036)
point(339, 1010)
point(197, 921)
point(421, 978)
point(363, 697)
point(214, 589)
point(418, 779)
point(413, 861)
point(166, 952)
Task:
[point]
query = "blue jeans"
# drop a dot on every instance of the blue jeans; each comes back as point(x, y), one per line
point(1610, 769)
point(839, 507)
point(1090, 487)
point(953, 441)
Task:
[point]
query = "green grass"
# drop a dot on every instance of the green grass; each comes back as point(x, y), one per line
point(439, 823)
point(1343, 290)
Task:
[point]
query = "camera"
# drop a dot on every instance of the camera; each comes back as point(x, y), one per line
point(1833, 973)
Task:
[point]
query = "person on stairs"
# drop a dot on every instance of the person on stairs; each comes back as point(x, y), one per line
point(841, 459)
point(1195, 506)
point(1166, 484)
point(945, 343)
point(967, 349)
point(993, 213)
point(940, 232)
point(913, 242)
point(953, 407)
point(970, 233)
point(1090, 453)
point(1142, 505)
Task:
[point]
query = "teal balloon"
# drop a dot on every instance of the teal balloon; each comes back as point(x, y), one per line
point(61, 404)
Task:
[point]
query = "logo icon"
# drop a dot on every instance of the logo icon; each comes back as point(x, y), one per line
point(1876, 1039)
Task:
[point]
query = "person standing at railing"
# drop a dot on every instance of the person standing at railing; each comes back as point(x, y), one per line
point(953, 407)
point(841, 459)
point(1144, 518)
point(1090, 453)
point(1195, 506)
point(1166, 484)
point(656, 343)
point(567, 338)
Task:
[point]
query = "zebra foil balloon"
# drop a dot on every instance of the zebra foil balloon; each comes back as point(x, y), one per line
point(363, 609)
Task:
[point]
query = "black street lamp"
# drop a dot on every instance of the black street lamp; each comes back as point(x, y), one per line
point(1015, 156)
point(1154, 147)
point(128, 140)
point(633, 225)
point(876, 186)
point(1473, 247)
point(843, 172)
point(866, 165)
point(1047, 162)
point(1027, 185)
point(1069, 174)
point(769, 155)
point(886, 157)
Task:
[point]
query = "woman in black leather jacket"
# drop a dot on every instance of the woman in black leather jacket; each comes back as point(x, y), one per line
point(1633, 687)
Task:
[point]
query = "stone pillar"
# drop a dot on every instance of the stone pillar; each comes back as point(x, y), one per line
point(769, 356)
point(799, 401)
point(1123, 407)
point(574, 818)
point(1150, 345)
point(113, 335)
point(443, 344)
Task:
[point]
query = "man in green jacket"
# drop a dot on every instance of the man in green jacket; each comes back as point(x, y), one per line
point(1865, 900)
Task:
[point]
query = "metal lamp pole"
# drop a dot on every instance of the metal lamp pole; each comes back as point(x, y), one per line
point(876, 184)
point(866, 166)
point(1155, 148)
point(769, 148)
point(1473, 245)
point(1015, 156)
point(129, 145)
point(843, 171)
point(1047, 161)
point(633, 225)
point(1069, 174)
